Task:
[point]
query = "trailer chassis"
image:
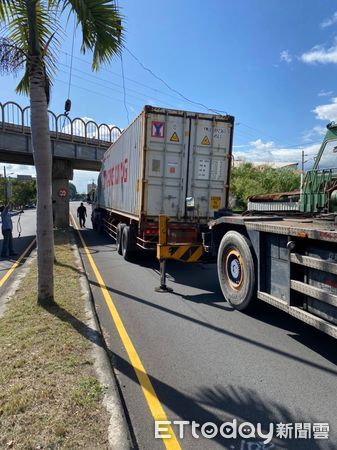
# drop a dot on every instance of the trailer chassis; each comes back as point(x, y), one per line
point(288, 262)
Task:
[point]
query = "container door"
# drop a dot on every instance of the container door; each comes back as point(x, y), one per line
point(166, 164)
point(209, 165)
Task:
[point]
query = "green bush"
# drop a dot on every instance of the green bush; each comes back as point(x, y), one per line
point(248, 180)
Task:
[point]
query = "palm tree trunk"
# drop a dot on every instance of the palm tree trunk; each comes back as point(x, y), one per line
point(43, 164)
point(43, 160)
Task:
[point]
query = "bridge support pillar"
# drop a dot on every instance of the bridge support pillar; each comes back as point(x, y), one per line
point(62, 173)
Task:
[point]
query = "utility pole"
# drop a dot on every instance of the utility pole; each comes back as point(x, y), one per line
point(6, 188)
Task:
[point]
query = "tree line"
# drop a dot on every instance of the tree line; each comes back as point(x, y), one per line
point(247, 180)
point(19, 193)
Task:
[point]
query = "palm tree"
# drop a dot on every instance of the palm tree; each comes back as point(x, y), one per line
point(32, 35)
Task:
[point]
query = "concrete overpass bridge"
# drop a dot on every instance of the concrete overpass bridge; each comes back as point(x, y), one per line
point(75, 144)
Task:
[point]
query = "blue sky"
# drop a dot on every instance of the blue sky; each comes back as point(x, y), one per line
point(271, 64)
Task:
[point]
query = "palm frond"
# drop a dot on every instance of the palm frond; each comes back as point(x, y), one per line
point(23, 86)
point(47, 31)
point(101, 23)
point(6, 7)
point(12, 58)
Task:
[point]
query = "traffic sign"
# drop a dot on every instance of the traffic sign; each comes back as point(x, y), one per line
point(62, 192)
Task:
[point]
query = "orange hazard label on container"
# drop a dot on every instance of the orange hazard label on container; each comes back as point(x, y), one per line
point(174, 137)
point(215, 202)
point(205, 141)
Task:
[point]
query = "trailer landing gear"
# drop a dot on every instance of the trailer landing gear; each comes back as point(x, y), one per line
point(163, 287)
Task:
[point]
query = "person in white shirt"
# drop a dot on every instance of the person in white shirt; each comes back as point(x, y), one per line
point(7, 228)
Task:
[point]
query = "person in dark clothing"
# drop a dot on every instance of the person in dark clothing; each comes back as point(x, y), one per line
point(82, 214)
point(7, 228)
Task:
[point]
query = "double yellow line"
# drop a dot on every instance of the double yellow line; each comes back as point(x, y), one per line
point(150, 395)
point(16, 263)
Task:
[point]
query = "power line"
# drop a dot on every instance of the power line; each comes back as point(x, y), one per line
point(99, 93)
point(95, 77)
point(241, 132)
point(124, 92)
point(71, 58)
point(127, 78)
point(172, 89)
point(85, 78)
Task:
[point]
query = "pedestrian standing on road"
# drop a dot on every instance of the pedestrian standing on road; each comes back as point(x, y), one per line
point(7, 228)
point(82, 214)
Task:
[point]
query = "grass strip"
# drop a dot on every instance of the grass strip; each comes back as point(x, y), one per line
point(50, 397)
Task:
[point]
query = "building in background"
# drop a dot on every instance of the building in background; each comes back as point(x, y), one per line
point(237, 162)
point(91, 187)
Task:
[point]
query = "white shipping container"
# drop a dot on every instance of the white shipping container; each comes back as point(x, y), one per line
point(165, 157)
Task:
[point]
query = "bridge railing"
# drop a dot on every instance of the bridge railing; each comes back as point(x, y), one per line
point(15, 118)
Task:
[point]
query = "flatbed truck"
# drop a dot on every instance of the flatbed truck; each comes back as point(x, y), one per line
point(284, 252)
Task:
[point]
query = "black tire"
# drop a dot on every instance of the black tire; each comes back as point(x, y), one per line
point(127, 244)
point(119, 234)
point(94, 225)
point(236, 270)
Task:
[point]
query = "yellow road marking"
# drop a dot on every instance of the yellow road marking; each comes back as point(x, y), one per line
point(16, 264)
point(153, 402)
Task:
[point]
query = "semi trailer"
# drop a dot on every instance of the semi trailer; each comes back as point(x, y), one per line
point(168, 162)
point(282, 250)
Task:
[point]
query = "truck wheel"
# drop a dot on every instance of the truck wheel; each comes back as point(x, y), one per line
point(236, 270)
point(119, 234)
point(127, 247)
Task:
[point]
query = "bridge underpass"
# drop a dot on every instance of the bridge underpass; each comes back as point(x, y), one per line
point(75, 144)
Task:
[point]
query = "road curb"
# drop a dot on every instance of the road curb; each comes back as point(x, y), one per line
point(118, 431)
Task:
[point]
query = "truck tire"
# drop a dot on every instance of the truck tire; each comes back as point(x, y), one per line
point(127, 247)
point(119, 234)
point(236, 270)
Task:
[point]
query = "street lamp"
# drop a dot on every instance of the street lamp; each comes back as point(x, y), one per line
point(8, 186)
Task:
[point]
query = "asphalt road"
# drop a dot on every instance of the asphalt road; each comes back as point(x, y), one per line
point(207, 362)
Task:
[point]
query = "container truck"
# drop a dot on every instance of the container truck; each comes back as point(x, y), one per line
point(168, 162)
point(282, 250)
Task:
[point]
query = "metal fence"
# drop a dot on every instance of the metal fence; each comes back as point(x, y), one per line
point(15, 118)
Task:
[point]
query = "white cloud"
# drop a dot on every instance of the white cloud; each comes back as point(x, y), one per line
point(331, 21)
point(327, 111)
point(319, 54)
point(13, 170)
point(285, 56)
point(260, 145)
point(316, 132)
point(259, 151)
point(323, 93)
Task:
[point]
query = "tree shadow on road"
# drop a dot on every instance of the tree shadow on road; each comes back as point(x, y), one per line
point(240, 337)
point(218, 404)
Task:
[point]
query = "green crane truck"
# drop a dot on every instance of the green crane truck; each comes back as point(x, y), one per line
point(283, 250)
